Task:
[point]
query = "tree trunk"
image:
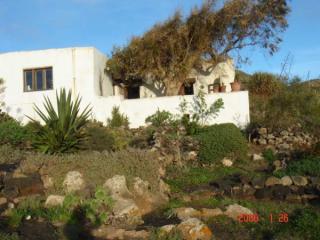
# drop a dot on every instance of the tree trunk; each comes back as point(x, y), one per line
point(172, 87)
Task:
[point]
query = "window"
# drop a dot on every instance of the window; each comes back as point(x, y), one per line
point(132, 92)
point(187, 87)
point(38, 79)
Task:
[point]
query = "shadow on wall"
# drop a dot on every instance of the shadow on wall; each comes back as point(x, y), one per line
point(16, 113)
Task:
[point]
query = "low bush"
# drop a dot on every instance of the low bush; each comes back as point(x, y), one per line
point(264, 84)
point(95, 209)
point(279, 105)
point(269, 155)
point(117, 119)
point(219, 141)
point(4, 117)
point(160, 118)
point(305, 224)
point(99, 138)
point(306, 167)
point(11, 132)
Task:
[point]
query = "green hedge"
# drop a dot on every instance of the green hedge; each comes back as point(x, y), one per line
point(11, 132)
point(219, 141)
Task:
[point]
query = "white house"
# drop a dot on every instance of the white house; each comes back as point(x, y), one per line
point(31, 75)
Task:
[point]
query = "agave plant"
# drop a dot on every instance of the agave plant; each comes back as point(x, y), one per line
point(63, 128)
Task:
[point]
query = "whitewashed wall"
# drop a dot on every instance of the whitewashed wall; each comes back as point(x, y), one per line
point(82, 71)
point(78, 69)
point(236, 107)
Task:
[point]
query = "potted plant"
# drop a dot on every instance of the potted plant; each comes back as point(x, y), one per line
point(235, 86)
point(222, 88)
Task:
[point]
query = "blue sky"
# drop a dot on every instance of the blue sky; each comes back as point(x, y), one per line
point(41, 24)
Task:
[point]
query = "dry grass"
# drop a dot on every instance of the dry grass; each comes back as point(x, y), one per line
point(96, 167)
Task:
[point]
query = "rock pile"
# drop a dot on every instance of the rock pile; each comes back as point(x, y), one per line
point(284, 140)
point(288, 188)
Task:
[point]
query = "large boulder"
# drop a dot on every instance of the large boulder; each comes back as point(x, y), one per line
point(117, 186)
point(235, 210)
point(54, 200)
point(207, 213)
point(185, 213)
point(126, 213)
point(271, 181)
point(286, 181)
point(299, 180)
point(194, 229)
point(73, 182)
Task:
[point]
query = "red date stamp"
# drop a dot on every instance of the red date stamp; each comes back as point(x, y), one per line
point(254, 218)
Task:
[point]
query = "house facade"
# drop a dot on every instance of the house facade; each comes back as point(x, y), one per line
point(31, 75)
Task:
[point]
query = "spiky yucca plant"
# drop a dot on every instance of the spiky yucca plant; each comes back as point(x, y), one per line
point(62, 130)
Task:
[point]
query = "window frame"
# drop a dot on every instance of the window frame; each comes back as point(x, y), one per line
point(34, 79)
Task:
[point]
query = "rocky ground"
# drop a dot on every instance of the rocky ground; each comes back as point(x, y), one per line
point(221, 201)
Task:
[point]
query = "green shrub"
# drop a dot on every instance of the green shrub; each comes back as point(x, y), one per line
point(117, 119)
point(4, 117)
point(160, 118)
point(7, 236)
point(269, 155)
point(277, 105)
point(219, 141)
point(63, 129)
point(305, 167)
point(99, 138)
point(11, 132)
point(122, 138)
point(197, 113)
point(95, 209)
point(305, 224)
point(264, 84)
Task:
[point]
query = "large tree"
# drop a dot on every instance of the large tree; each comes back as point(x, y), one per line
point(207, 36)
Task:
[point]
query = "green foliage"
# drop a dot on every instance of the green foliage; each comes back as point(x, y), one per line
point(197, 113)
point(7, 236)
point(63, 129)
point(11, 132)
point(95, 209)
point(99, 138)
point(306, 167)
point(298, 103)
point(122, 138)
point(269, 155)
point(181, 179)
point(160, 118)
point(202, 113)
point(219, 141)
point(305, 223)
point(4, 117)
point(264, 84)
point(117, 119)
point(279, 105)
